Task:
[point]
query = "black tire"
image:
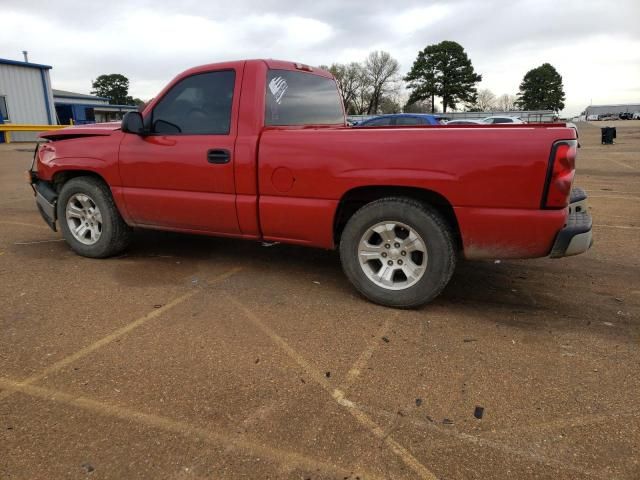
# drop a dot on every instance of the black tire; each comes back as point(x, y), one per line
point(115, 233)
point(437, 237)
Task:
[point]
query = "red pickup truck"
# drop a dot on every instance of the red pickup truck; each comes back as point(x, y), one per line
point(259, 149)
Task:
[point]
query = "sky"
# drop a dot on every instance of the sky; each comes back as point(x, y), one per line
point(594, 44)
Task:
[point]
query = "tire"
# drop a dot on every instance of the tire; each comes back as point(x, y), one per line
point(90, 203)
point(426, 280)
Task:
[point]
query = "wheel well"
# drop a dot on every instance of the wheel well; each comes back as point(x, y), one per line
point(63, 177)
point(354, 199)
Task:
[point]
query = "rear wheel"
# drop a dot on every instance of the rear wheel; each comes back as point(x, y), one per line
point(89, 220)
point(398, 252)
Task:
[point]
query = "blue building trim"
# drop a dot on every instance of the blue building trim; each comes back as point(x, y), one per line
point(25, 64)
point(98, 105)
point(45, 91)
point(78, 97)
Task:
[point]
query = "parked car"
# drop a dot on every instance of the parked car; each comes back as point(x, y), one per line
point(220, 151)
point(501, 119)
point(636, 116)
point(466, 121)
point(626, 116)
point(402, 119)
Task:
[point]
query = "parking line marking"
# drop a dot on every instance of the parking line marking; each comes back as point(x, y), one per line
point(620, 163)
point(365, 356)
point(284, 457)
point(337, 395)
point(616, 226)
point(39, 241)
point(156, 312)
point(621, 197)
point(33, 225)
point(527, 453)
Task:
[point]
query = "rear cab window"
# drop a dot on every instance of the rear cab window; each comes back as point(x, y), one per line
point(301, 98)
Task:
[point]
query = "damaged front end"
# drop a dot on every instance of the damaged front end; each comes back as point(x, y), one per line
point(45, 193)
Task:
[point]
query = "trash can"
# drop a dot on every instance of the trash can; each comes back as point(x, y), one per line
point(608, 134)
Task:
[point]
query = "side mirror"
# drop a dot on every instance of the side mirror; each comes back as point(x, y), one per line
point(132, 123)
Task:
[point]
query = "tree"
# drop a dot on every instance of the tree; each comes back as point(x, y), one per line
point(443, 70)
point(115, 87)
point(389, 104)
point(420, 106)
point(360, 103)
point(381, 76)
point(541, 89)
point(350, 80)
point(485, 101)
point(506, 103)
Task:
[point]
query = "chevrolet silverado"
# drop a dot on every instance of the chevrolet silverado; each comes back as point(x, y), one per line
point(259, 149)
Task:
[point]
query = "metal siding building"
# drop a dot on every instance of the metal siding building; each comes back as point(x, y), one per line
point(26, 88)
point(83, 108)
point(612, 109)
point(64, 96)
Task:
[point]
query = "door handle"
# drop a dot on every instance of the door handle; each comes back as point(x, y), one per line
point(218, 156)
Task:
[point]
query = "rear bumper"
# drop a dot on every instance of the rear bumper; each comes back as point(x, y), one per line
point(576, 236)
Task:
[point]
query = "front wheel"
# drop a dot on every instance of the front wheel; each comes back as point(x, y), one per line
point(397, 252)
point(89, 219)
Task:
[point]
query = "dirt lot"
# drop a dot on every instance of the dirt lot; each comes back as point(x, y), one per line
point(193, 357)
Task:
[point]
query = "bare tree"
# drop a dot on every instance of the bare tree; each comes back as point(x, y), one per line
point(506, 103)
point(361, 100)
point(421, 106)
point(349, 78)
point(390, 104)
point(381, 75)
point(485, 102)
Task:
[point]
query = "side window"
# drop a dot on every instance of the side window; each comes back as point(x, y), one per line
point(4, 112)
point(378, 122)
point(409, 121)
point(299, 98)
point(501, 120)
point(197, 105)
point(489, 121)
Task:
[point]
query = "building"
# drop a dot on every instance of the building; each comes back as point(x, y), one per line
point(80, 108)
point(607, 110)
point(25, 96)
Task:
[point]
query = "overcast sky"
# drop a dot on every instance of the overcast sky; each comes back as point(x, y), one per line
point(594, 44)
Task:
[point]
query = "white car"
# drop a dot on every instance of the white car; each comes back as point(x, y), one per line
point(500, 119)
point(464, 121)
point(636, 116)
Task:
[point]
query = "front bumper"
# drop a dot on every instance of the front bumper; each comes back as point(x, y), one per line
point(46, 200)
point(576, 236)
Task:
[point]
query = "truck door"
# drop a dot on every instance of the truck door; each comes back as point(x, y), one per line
point(180, 175)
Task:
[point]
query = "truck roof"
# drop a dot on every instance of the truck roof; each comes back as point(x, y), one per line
point(270, 62)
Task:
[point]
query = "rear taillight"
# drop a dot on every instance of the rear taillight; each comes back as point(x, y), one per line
point(561, 170)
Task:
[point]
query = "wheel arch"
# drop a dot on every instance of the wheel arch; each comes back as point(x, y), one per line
point(357, 197)
point(63, 176)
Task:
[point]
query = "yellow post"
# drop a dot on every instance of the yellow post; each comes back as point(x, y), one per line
point(7, 137)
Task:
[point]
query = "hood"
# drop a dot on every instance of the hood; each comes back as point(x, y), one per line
point(77, 131)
